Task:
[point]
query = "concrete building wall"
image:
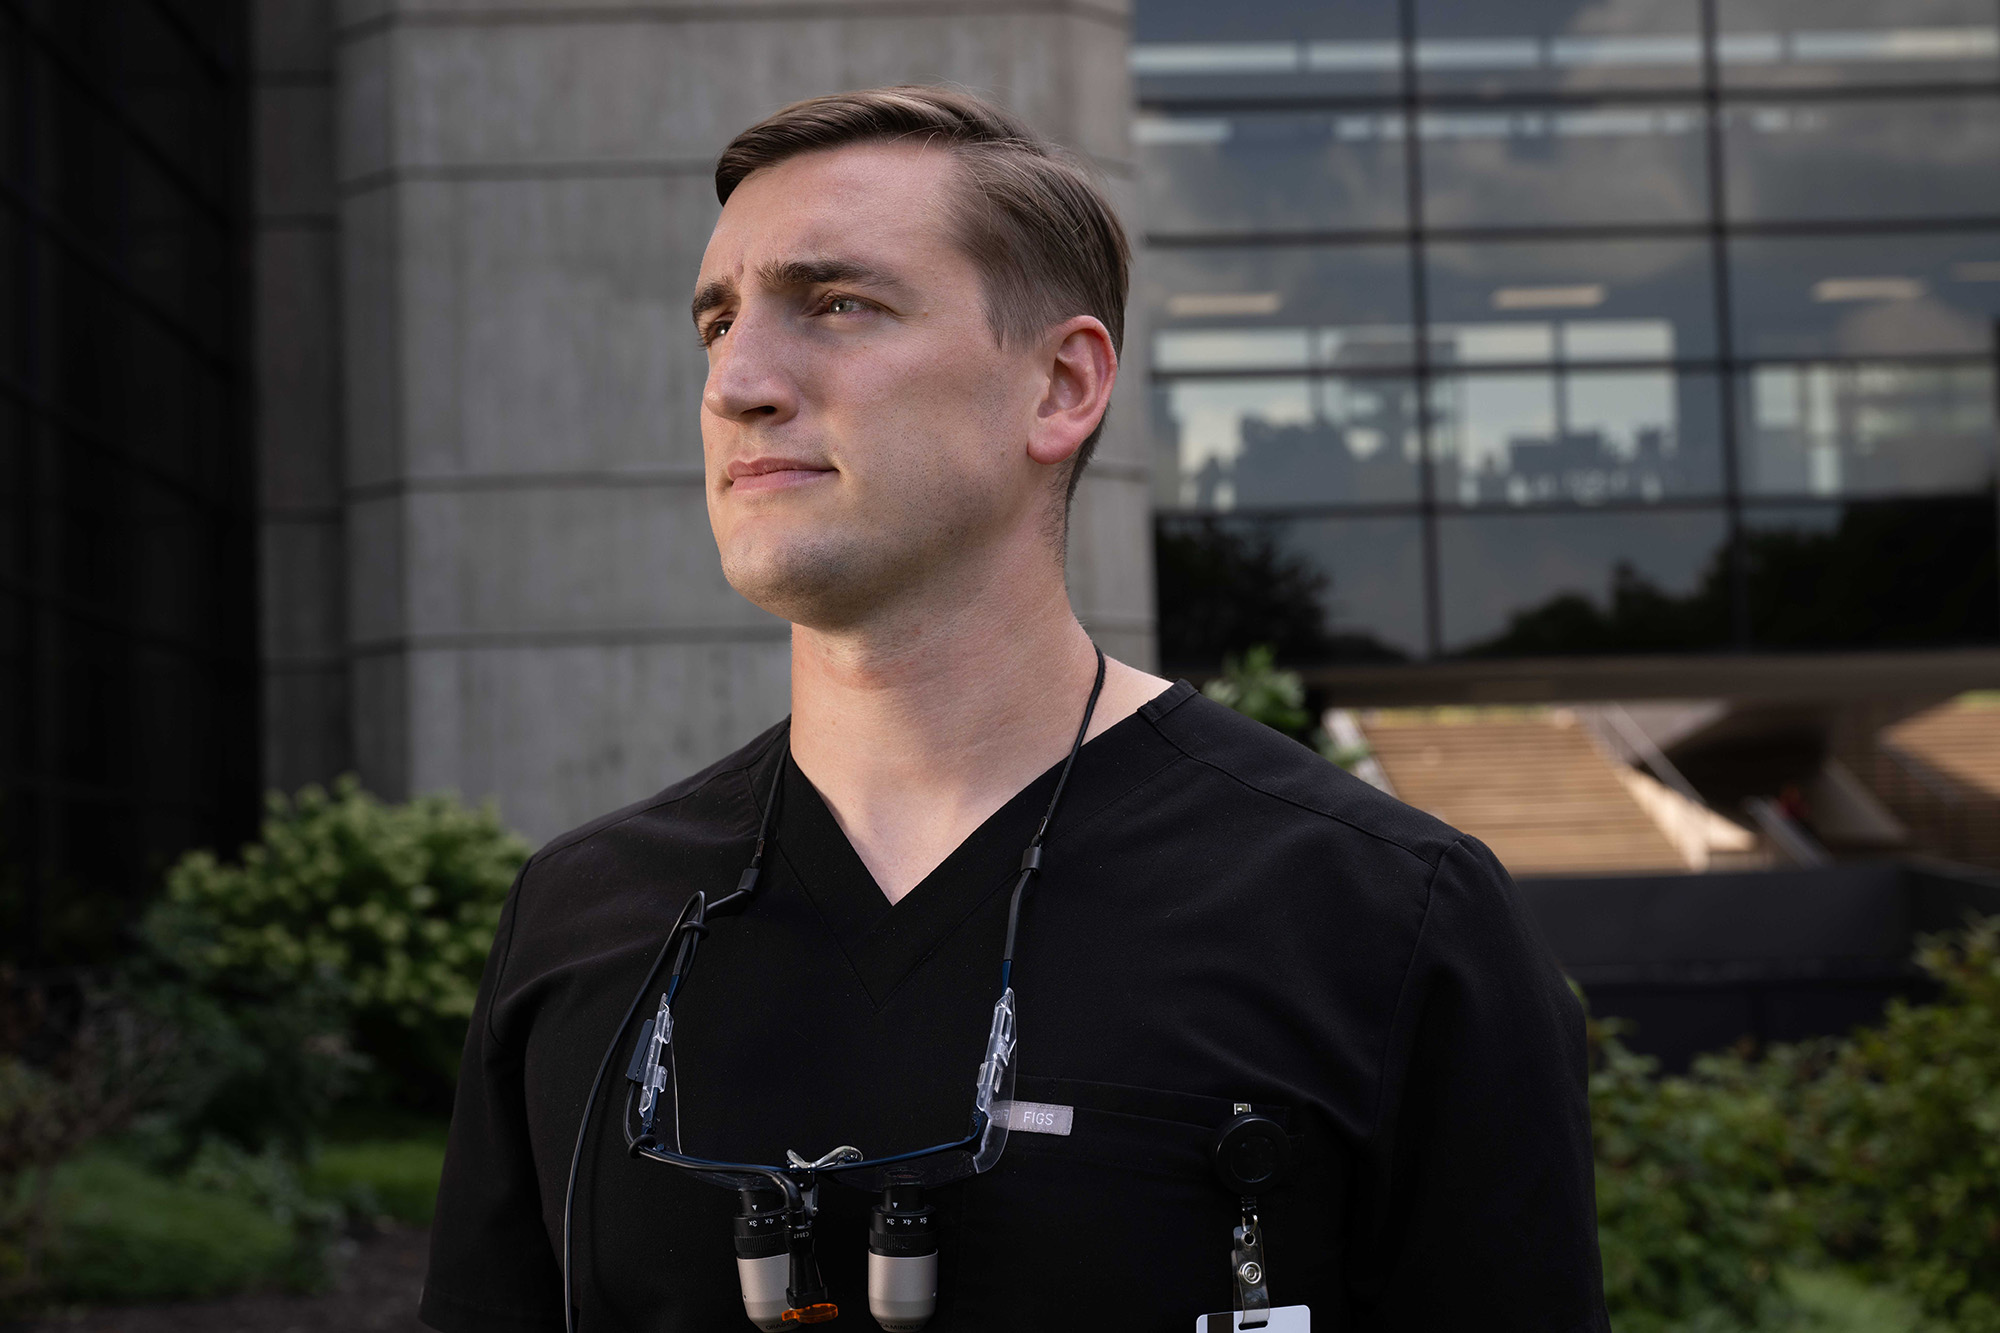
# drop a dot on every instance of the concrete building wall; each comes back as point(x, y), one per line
point(533, 607)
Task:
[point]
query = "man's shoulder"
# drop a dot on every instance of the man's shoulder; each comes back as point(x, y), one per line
point(722, 785)
point(1249, 756)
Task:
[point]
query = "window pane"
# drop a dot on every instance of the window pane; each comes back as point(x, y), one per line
point(1278, 308)
point(1317, 590)
point(1900, 159)
point(1904, 572)
point(1514, 301)
point(1597, 165)
point(1771, 43)
point(1868, 429)
point(1557, 44)
point(1311, 440)
point(1866, 295)
point(1521, 585)
point(1271, 172)
point(1582, 437)
point(1276, 48)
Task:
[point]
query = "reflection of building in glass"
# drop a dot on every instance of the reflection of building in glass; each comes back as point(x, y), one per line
point(1357, 446)
point(1642, 272)
point(1573, 465)
point(1870, 429)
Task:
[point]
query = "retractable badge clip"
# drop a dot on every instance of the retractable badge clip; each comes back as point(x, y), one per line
point(1252, 1152)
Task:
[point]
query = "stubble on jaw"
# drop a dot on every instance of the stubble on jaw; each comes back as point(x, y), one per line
point(837, 573)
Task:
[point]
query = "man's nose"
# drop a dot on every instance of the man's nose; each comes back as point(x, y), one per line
point(750, 378)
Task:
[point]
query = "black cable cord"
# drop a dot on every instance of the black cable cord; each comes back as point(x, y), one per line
point(688, 929)
point(1031, 859)
point(590, 1105)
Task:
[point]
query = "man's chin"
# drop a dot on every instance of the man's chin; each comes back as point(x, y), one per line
point(822, 586)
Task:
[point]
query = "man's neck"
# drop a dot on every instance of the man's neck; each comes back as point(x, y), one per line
point(915, 734)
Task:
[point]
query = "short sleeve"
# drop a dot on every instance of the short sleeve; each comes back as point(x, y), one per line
point(492, 1267)
point(1481, 1207)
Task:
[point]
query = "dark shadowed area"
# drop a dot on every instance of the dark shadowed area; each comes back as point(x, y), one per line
point(377, 1289)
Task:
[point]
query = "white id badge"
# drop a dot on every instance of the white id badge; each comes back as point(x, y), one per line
point(1284, 1319)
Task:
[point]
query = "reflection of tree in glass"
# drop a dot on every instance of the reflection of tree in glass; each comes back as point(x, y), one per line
point(1226, 586)
point(1902, 573)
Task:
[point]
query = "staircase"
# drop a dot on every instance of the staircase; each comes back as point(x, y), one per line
point(1939, 772)
point(1533, 785)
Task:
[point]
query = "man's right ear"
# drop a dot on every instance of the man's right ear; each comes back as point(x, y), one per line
point(1082, 368)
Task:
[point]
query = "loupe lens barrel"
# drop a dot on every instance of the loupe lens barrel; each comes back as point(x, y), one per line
point(902, 1261)
point(902, 1292)
point(763, 1258)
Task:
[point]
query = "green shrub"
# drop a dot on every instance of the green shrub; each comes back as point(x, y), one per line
point(1695, 1208)
point(75, 1065)
point(129, 1235)
point(1905, 1126)
point(392, 1178)
point(352, 936)
point(1255, 687)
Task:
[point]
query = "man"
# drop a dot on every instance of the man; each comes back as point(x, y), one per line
point(912, 311)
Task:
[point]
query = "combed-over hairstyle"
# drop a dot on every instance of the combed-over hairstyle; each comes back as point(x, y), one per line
point(1045, 239)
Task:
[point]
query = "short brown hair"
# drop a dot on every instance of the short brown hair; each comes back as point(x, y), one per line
point(1045, 239)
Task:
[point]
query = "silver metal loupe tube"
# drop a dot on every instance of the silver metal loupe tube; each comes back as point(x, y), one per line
point(763, 1258)
point(763, 1283)
point(902, 1260)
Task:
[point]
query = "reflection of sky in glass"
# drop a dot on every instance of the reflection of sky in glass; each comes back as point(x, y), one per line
point(1855, 296)
point(1563, 166)
point(1869, 429)
point(1838, 41)
point(1278, 307)
point(1740, 51)
point(1269, 48)
point(1646, 299)
point(1280, 349)
point(1903, 158)
point(1211, 413)
point(1271, 170)
point(1560, 341)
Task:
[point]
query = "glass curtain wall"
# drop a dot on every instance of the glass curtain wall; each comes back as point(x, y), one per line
point(127, 681)
point(1571, 326)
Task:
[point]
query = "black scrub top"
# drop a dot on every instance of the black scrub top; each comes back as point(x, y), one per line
point(1222, 917)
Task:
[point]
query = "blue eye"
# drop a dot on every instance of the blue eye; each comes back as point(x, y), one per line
point(844, 305)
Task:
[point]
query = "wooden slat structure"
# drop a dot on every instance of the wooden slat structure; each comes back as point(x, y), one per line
point(1960, 739)
point(1532, 785)
point(1939, 771)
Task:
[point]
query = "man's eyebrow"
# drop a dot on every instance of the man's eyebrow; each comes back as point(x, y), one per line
point(711, 295)
point(791, 274)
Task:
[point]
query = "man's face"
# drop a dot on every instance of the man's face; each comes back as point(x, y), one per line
point(861, 428)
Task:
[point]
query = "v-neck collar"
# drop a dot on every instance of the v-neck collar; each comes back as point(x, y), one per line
point(885, 942)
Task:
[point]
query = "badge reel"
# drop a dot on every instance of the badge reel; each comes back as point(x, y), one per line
point(1252, 1153)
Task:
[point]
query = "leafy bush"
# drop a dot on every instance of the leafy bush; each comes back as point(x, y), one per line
point(127, 1234)
point(1694, 1202)
point(381, 1178)
point(75, 1065)
point(1255, 687)
point(1880, 1151)
point(1905, 1127)
point(349, 939)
